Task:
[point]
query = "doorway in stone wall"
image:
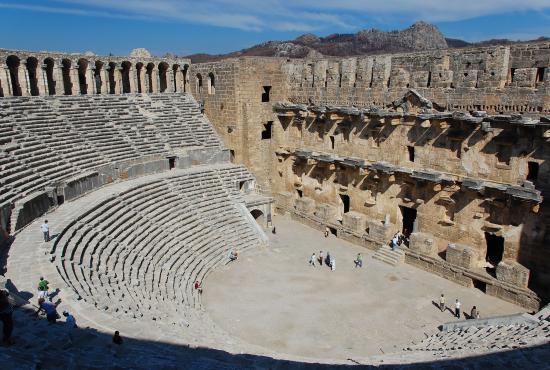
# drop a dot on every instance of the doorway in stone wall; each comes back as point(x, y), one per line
point(171, 162)
point(345, 202)
point(409, 218)
point(495, 251)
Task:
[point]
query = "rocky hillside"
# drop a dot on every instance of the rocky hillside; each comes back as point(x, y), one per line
point(420, 36)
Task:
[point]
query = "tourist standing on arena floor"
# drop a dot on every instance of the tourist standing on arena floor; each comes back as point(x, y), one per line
point(327, 232)
point(457, 308)
point(321, 256)
point(359, 260)
point(43, 289)
point(332, 263)
point(45, 230)
point(6, 311)
point(312, 260)
point(474, 313)
point(49, 308)
point(327, 259)
point(442, 302)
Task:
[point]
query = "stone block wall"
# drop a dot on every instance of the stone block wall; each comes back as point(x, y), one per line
point(469, 84)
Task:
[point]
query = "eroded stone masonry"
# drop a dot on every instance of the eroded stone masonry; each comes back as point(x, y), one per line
point(450, 146)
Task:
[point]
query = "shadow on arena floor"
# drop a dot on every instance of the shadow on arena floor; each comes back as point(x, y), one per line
point(41, 345)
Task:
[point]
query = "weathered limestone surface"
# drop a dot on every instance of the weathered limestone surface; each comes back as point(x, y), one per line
point(451, 144)
point(462, 255)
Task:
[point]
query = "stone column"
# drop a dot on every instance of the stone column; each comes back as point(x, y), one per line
point(42, 77)
point(178, 77)
point(75, 83)
point(104, 73)
point(58, 78)
point(90, 80)
point(171, 77)
point(155, 79)
point(118, 78)
point(132, 79)
point(23, 75)
point(5, 80)
point(141, 73)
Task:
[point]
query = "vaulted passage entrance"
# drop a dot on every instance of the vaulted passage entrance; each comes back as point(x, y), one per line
point(258, 216)
point(495, 250)
point(409, 218)
point(345, 202)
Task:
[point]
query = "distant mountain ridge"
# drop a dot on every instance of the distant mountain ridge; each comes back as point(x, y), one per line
point(418, 37)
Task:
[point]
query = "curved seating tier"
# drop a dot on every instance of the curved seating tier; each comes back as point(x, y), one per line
point(44, 140)
point(140, 249)
point(486, 338)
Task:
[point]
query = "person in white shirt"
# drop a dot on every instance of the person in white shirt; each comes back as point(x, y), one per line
point(457, 308)
point(45, 230)
point(394, 242)
point(332, 263)
point(312, 260)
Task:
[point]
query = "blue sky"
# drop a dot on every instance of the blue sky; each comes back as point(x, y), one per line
point(217, 26)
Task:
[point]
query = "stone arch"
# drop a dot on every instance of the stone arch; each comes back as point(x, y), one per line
point(211, 84)
point(163, 78)
point(98, 76)
point(112, 79)
point(150, 68)
point(198, 83)
point(139, 69)
point(82, 80)
point(32, 70)
point(49, 65)
point(66, 73)
point(126, 86)
point(258, 216)
point(13, 62)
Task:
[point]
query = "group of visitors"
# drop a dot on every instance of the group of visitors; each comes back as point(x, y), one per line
point(398, 239)
point(474, 313)
point(329, 260)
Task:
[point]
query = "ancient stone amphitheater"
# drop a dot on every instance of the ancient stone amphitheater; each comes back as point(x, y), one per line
point(146, 195)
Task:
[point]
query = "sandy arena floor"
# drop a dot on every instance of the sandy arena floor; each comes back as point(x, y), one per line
point(273, 298)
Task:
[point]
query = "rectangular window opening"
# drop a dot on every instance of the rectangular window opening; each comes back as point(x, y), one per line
point(532, 171)
point(266, 133)
point(410, 149)
point(171, 162)
point(265, 94)
point(540, 75)
point(511, 75)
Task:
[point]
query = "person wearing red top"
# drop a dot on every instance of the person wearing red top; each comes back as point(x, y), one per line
point(198, 287)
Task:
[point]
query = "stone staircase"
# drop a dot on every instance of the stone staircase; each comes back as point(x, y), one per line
point(393, 258)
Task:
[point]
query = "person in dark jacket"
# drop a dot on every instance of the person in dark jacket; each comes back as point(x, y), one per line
point(6, 311)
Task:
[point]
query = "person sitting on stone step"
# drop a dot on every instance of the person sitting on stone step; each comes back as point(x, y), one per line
point(49, 308)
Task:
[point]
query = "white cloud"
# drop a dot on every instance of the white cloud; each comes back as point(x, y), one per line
point(286, 15)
